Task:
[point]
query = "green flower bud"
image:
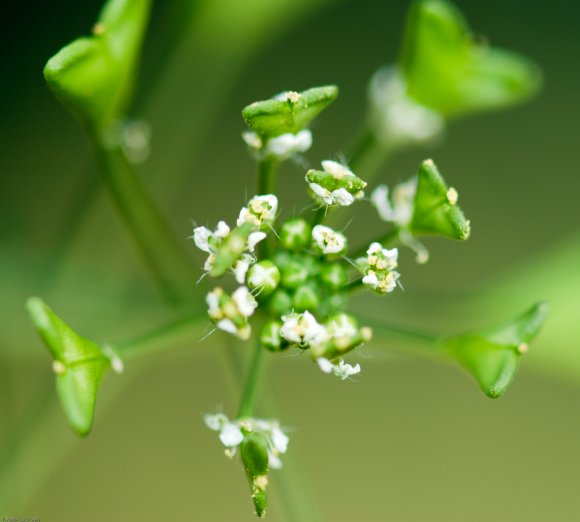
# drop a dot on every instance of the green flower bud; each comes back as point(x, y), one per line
point(270, 337)
point(449, 71)
point(435, 206)
point(493, 357)
point(280, 302)
point(306, 297)
point(282, 258)
point(79, 365)
point(335, 302)
point(295, 274)
point(263, 277)
point(334, 275)
point(93, 76)
point(254, 453)
point(289, 112)
point(295, 234)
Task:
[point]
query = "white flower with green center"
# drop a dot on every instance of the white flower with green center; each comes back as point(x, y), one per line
point(230, 313)
point(260, 212)
point(328, 241)
point(341, 369)
point(336, 184)
point(303, 329)
point(379, 268)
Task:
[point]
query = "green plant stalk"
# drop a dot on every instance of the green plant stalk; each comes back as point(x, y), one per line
point(433, 342)
point(165, 258)
point(248, 402)
point(267, 171)
point(367, 155)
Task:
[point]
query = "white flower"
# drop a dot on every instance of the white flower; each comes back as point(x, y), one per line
point(338, 170)
point(245, 301)
point(303, 329)
point(328, 240)
point(398, 208)
point(215, 421)
point(339, 196)
point(382, 258)
point(341, 326)
point(260, 210)
point(231, 435)
point(242, 266)
point(254, 238)
point(286, 145)
point(342, 370)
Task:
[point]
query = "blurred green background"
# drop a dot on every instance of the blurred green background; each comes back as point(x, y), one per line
point(412, 439)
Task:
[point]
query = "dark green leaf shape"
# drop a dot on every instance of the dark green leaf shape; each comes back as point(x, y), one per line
point(449, 71)
point(274, 117)
point(93, 76)
point(231, 249)
point(79, 365)
point(254, 453)
point(493, 357)
point(435, 211)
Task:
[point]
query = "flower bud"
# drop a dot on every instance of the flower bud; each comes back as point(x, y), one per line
point(295, 274)
point(306, 297)
point(280, 302)
point(270, 337)
point(254, 453)
point(334, 275)
point(263, 277)
point(295, 234)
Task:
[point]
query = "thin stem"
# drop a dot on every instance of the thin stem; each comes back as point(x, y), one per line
point(388, 239)
point(248, 401)
point(405, 332)
point(367, 155)
point(158, 339)
point(267, 171)
point(320, 215)
point(353, 285)
point(165, 257)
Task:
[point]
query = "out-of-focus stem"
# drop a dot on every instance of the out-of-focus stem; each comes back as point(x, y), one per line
point(251, 385)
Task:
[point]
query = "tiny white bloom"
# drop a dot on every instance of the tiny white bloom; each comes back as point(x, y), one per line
point(343, 197)
point(228, 326)
point(241, 269)
point(201, 237)
point(254, 238)
point(321, 192)
point(260, 210)
point(338, 170)
point(279, 440)
point(222, 230)
point(324, 364)
point(288, 144)
point(252, 140)
point(245, 301)
point(215, 421)
point(231, 435)
point(398, 208)
point(344, 371)
point(328, 240)
point(303, 329)
point(274, 461)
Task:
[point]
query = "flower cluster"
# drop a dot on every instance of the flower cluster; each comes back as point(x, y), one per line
point(233, 432)
point(378, 268)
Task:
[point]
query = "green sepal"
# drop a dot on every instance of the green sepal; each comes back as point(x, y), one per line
point(448, 70)
point(493, 357)
point(435, 211)
point(270, 118)
point(93, 76)
point(231, 249)
point(83, 365)
point(254, 453)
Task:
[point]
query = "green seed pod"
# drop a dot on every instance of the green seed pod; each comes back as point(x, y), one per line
point(270, 337)
point(288, 113)
point(93, 76)
point(449, 71)
point(263, 277)
point(280, 302)
point(493, 357)
point(435, 209)
point(79, 365)
point(254, 453)
point(334, 275)
point(231, 249)
point(295, 274)
point(295, 234)
point(307, 297)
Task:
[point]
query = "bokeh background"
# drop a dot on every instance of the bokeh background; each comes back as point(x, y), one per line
point(411, 440)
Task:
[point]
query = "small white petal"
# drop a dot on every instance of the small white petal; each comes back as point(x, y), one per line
point(321, 192)
point(213, 300)
point(371, 280)
point(201, 236)
point(279, 440)
point(344, 371)
point(245, 301)
point(215, 421)
point(252, 140)
point(227, 326)
point(274, 461)
point(342, 197)
point(254, 238)
point(338, 170)
point(222, 230)
point(324, 364)
point(240, 270)
point(290, 330)
point(231, 435)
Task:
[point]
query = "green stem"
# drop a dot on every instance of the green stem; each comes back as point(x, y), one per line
point(405, 332)
point(158, 339)
point(388, 239)
point(267, 171)
point(248, 401)
point(165, 257)
point(320, 215)
point(367, 155)
point(353, 285)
